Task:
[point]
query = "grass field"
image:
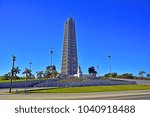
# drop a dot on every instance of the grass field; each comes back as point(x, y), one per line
point(93, 89)
point(12, 80)
point(18, 80)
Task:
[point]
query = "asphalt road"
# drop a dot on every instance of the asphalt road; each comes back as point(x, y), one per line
point(122, 95)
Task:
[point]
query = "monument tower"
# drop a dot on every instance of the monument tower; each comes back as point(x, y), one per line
point(69, 56)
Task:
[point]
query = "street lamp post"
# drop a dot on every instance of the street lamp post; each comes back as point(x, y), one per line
point(51, 51)
point(30, 68)
point(109, 57)
point(12, 72)
point(30, 64)
point(98, 71)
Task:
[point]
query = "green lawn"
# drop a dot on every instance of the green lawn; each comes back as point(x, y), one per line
point(12, 80)
point(93, 89)
point(19, 80)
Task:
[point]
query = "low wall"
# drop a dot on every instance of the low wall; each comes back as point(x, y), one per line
point(146, 82)
point(56, 83)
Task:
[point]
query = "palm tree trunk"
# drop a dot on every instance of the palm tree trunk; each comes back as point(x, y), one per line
point(26, 84)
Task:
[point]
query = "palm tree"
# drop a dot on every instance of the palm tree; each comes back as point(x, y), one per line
point(53, 68)
point(7, 76)
point(54, 74)
point(28, 73)
point(47, 74)
point(16, 71)
point(54, 71)
point(141, 73)
point(40, 74)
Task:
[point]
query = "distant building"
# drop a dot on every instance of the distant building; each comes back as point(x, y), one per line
point(69, 56)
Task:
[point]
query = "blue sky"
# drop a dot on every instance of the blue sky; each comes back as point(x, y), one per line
point(120, 28)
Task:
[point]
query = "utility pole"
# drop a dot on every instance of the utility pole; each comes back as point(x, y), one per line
point(109, 57)
point(12, 72)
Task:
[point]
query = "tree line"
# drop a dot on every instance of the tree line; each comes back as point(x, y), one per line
point(50, 71)
point(141, 74)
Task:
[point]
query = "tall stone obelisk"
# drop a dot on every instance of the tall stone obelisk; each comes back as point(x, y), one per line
point(69, 56)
